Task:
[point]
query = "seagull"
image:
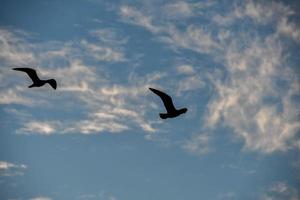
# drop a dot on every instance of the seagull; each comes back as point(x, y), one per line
point(37, 82)
point(167, 100)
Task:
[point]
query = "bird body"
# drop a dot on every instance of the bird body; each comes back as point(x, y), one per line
point(168, 103)
point(173, 114)
point(36, 81)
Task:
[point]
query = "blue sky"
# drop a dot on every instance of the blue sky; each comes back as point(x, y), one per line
point(235, 66)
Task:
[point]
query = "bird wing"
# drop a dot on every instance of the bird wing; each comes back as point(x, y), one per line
point(167, 100)
point(53, 83)
point(30, 72)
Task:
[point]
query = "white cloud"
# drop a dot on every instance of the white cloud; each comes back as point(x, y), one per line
point(77, 76)
point(96, 125)
point(256, 11)
point(178, 10)
point(193, 38)
point(14, 50)
point(241, 167)
point(280, 190)
point(115, 109)
point(254, 66)
point(190, 83)
point(102, 195)
point(41, 198)
point(199, 144)
point(133, 16)
point(103, 53)
point(181, 10)
point(245, 92)
point(11, 169)
point(57, 50)
point(107, 107)
point(10, 96)
point(263, 12)
point(241, 102)
point(259, 12)
point(288, 29)
point(37, 127)
point(118, 105)
point(185, 69)
point(109, 36)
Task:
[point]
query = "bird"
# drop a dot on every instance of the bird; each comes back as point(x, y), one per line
point(37, 82)
point(167, 100)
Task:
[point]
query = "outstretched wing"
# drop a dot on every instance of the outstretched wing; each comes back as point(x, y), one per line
point(167, 100)
point(53, 83)
point(30, 72)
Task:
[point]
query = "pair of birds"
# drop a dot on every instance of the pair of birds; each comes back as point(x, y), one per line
point(166, 99)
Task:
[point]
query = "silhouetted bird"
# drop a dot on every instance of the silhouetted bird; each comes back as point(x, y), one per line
point(37, 82)
point(167, 100)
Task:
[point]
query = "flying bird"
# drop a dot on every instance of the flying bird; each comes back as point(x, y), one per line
point(37, 82)
point(167, 100)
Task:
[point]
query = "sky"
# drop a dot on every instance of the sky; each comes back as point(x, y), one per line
point(233, 64)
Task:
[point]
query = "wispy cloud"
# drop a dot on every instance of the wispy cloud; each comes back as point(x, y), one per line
point(259, 12)
point(178, 10)
point(37, 127)
point(242, 101)
point(251, 94)
point(14, 50)
point(109, 36)
point(194, 38)
point(190, 83)
point(10, 96)
point(281, 190)
point(103, 195)
point(251, 90)
point(91, 87)
point(183, 9)
point(41, 198)
point(185, 69)
point(240, 167)
point(11, 169)
point(102, 53)
point(263, 13)
point(289, 29)
point(199, 144)
point(133, 16)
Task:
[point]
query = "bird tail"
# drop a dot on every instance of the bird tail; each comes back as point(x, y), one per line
point(32, 85)
point(163, 115)
point(52, 83)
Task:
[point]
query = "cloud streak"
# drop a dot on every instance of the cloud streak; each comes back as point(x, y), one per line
point(281, 190)
point(105, 106)
point(254, 90)
point(11, 169)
